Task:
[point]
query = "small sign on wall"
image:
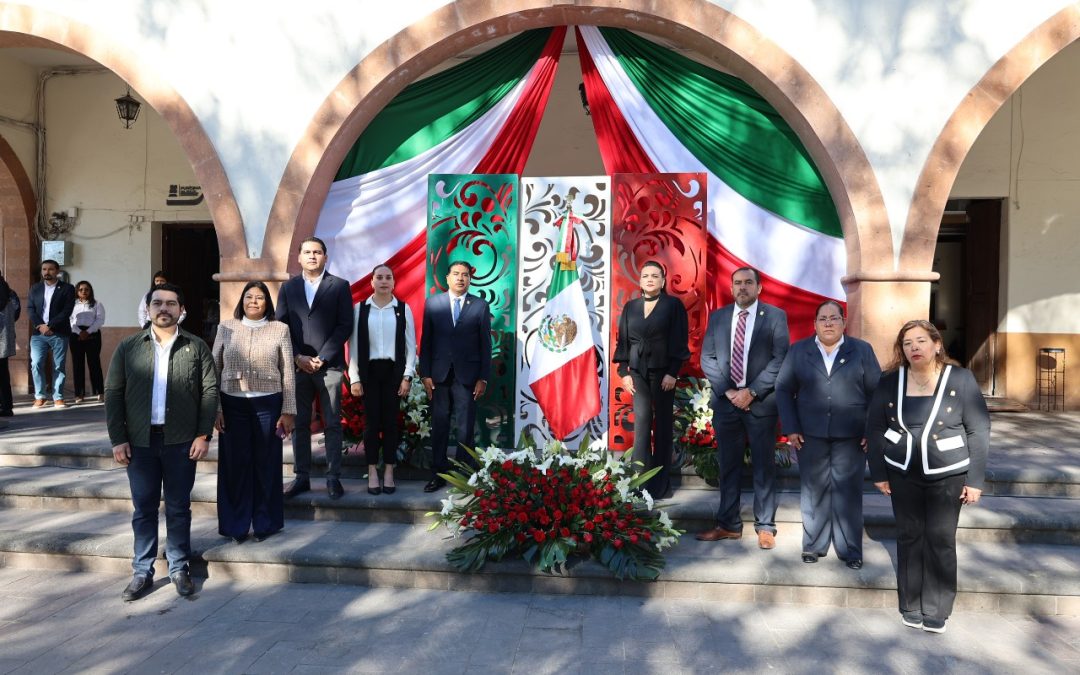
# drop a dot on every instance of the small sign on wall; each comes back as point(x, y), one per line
point(184, 195)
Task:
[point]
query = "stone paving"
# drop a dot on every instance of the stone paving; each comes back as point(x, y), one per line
point(75, 622)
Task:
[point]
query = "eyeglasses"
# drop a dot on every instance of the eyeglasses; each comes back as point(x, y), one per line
point(826, 320)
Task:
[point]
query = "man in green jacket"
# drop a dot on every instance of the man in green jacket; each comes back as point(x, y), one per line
point(160, 403)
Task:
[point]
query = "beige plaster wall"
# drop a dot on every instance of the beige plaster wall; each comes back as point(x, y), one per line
point(17, 82)
point(111, 174)
point(1030, 154)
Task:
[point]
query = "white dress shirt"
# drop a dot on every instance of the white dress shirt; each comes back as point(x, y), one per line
point(49, 290)
point(753, 310)
point(161, 376)
point(312, 287)
point(382, 337)
point(830, 359)
point(85, 315)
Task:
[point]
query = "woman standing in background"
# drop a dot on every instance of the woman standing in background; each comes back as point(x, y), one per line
point(86, 321)
point(9, 314)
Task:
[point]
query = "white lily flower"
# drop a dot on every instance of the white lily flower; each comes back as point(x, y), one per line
point(519, 456)
point(648, 499)
point(447, 506)
point(623, 486)
point(546, 464)
point(665, 520)
point(474, 479)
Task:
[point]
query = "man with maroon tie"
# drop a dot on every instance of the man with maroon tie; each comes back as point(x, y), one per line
point(744, 347)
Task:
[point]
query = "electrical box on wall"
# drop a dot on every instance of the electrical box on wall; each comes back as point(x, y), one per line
point(60, 251)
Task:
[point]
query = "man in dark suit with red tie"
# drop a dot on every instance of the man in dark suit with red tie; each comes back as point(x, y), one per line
point(744, 347)
point(317, 306)
point(455, 363)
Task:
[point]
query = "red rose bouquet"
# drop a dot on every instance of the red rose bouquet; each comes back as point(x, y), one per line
point(549, 505)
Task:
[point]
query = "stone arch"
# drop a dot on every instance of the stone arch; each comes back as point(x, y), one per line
point(23, 25)
point(697, 24)
point(964, 126)
point(17, 209)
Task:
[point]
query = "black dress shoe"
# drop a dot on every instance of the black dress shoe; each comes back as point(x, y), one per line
point(7, 412)
point(240, 540)
point(854, 563)
point(809, 557)
point(263, 536)
point(140, 584)
point(334, 489)
point(182, 581)
point(296, 487)
point(374, 490)
point(390, 489)
point(436, 483)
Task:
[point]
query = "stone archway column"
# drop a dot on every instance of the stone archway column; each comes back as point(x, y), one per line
point(236, 272)
point(880, 302)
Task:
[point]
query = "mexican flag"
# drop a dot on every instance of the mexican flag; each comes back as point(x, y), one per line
point(562, 366)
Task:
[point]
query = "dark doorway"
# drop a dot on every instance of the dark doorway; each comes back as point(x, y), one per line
point(964, 302)
point(189, 256)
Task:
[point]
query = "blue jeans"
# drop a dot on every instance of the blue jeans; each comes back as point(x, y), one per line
point(39, 347)
point(150, 470)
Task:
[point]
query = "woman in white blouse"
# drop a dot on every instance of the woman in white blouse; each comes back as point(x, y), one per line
point(382, 360)
point(86, 321)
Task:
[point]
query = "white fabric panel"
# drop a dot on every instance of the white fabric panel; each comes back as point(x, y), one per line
point(543, 202)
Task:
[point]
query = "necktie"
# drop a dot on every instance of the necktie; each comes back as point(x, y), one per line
point(457, 309)
point(737, 349)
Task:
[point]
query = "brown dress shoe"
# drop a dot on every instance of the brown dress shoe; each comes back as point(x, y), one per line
point(766, 540)
point(59, 403)
point(39, 402)
point(716, 534)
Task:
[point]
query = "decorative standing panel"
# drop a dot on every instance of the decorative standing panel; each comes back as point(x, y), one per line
point(656, 217)
point(474, 217)
point(544, 206)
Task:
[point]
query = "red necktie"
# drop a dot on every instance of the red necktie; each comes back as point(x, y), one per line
point(737, 349)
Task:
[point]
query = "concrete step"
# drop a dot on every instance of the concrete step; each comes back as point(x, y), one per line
point(996, 577)
point(1034, 472)
point(996, 519)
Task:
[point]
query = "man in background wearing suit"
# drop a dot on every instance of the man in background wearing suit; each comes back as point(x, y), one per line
point(455, 363)
point(823, 390)
point(50, 306)
point(317, 306)
point(744, 346)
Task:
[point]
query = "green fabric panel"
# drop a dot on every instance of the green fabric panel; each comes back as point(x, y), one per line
point(731, 129)
point(560, 279)
point(435, 108)
point(474, 217)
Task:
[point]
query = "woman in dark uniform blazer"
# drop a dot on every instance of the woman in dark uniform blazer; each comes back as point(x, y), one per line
point(822, 391)
point(650, 349)
point(928, 433)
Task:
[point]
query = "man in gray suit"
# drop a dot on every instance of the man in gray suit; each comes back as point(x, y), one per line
point(744, 346)
point(822, 391)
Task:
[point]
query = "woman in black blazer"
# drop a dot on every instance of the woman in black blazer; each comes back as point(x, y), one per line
point(929, 432)
point(650, 349)
point(822, 392)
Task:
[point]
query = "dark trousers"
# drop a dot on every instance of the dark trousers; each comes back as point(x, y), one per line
point(87, 352)
point(734, 430)
point(6, 403)
point(381, 405)
point(654, 429)
point(831, 473)
point(152, 469)
point(326, 385)
point(249, 467)
point(927, 512)
point(457, 396)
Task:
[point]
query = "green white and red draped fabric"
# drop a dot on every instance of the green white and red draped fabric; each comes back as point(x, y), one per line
point(657, 111)
point(480, 116)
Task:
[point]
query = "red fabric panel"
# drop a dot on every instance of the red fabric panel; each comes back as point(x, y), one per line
point(660, 217)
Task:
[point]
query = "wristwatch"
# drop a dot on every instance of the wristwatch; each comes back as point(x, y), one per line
point(207, 437)
point(753, 394)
